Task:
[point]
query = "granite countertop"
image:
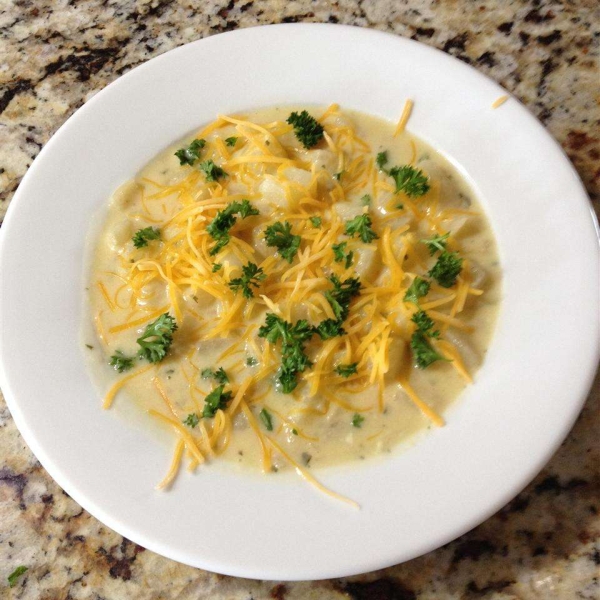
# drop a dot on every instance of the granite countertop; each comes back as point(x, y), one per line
point(545, 544)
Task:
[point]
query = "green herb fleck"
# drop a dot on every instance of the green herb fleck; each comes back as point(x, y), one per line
point(265, 417)
point(293, 337)
point(357, 420)
point(361, 226)
point(121, 362)
point(191, 420)
point(216, 400)
point(382, 159)
point(447, 268)
point(280, 236)
point(413, 182)
point(307, 129)
point(338, 176)
point(366, 200)
point(212, 172)
point(252, 275)
point(143, 236)
point(295, 431)
point(189, 155)
point(418, 288)
point(437, 242)
point(346, 370)
point(217, 267)
point(12, 578)
point(231, 141)
point(157, 338)
point(89, 346)
point(251, 361)
point(316, 221)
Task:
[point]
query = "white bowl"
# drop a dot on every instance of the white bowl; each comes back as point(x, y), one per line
point(499, 434)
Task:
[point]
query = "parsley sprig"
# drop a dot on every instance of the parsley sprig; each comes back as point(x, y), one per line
point(280, 236)
point(346, 370)
point(157, 338)
point(339, 251)
point(252, 275)
point(447, 268)
point(339, 299)
point(189, 155)
point(361, 226)
point(212, 172)
point(306, 128)
point(14, 576)
point(293, 337)
point(417, 289)
point(143, 236)
point(219, 228)
point(266, 418)
point(436, 243)
point(423, 352)
point(220, 376)
point(216, 400)
point(121, 362)
point(413, 182)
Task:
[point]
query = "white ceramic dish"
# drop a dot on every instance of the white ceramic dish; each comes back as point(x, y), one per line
point(499, 435)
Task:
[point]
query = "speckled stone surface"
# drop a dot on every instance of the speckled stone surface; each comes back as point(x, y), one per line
point(55, 55)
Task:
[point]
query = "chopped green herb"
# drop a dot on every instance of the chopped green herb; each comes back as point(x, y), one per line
point(338, 176)
point(231, 141)
point(252, 275)
point(295, 431)
point(306, 458)
point(251, 361)
point(143, 236)
point(382, 159)
point(425, 323)
point(361, 226)
point(157, 338)
point(400, 206)
point(357, 420)
point(413, 182)
point(437, 242)
point(12, 578)
point(346, 370)
point(293, 337)
point(418, 288)
point(217, 267)
point(265, 417)
point(307, 129)
point(341, 295)
point(316, 221)
point(329, 328)
point(245, 209)
point(219, 375)
point(447, 268)
point(423, 353)
point(216, 400)
point(89, 346)
point(365, 200)
point(121, 362)
point(280, 236)
point(224, 220)
point(189, 155)
point(211, 171)
point(191, 420)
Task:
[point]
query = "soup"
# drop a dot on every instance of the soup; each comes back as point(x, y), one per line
point(293, 287)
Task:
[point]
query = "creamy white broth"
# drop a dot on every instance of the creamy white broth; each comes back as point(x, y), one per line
point(311, 439)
